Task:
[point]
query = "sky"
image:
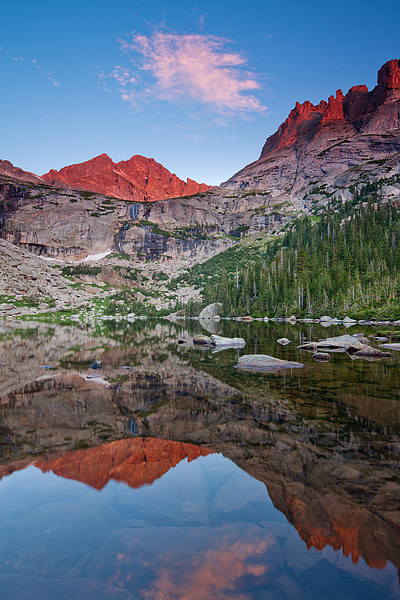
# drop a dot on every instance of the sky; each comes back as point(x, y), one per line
point(198, 86)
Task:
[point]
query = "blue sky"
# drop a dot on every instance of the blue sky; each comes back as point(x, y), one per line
point(196, 85)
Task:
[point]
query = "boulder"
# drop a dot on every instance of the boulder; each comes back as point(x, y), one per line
point(322, 356)
point(348, 321)
point(179, 314)
point(210, 311)
point(283, 341)
point(96, 364)
point(393, 346)
point(310, 346)
point(202, 340)
point(263, 362)
point(363, 339)
point(347, 342)
point(369, 352)
point(218, 340)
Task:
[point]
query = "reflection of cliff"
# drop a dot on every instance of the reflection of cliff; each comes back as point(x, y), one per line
point(325, 517)
point(344, 496)
point(137, 461)
point(330, 467)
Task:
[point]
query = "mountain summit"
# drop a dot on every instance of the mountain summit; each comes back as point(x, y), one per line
point(333, 146)
point(358, 110)
point(138, 179)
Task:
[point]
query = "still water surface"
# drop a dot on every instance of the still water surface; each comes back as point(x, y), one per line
point(181, 477)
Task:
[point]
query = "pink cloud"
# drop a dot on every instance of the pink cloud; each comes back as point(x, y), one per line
point(197, 67)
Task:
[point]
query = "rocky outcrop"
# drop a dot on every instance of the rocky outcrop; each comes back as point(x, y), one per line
point(7, 169)
point(353, 111)
point(321, 153)
point(322, 150)
point(138, 179)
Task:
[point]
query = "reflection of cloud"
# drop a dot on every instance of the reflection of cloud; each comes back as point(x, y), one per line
point(198, 67)
point(214, 574)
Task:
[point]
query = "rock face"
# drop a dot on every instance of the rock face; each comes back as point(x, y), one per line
point(324, 146)
point(7, 169)
point(138, 179)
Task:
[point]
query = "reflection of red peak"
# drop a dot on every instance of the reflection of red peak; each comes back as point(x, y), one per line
point(135, 461)
point(353, 109)
point(137, 179)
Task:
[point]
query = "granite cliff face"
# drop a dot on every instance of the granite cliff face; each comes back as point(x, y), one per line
point(323, 150)
point(70, 224)
point(138, 179)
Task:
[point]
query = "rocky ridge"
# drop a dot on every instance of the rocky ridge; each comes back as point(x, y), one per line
point(138, 179)
point(323, 150)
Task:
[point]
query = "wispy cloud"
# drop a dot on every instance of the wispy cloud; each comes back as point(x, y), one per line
point(198, 67)
point(44, 73)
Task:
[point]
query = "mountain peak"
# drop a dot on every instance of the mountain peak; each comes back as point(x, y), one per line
point(353, 109)
point(137, 179)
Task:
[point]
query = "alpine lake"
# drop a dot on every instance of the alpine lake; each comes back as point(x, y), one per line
point(169, 474)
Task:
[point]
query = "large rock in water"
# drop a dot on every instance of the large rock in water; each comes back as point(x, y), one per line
point(369, 352)
point(225, 341)
point(211, 311)
point(341, 342)
point(263, 362)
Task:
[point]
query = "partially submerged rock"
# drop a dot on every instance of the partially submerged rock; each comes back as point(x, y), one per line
point(218, 340)
point(202, 340)
point(322, 356)
point(348, 321)
point(369, 352)
point(263, 362)
point(283, 341)
point(393, 346)
point(179, 314)
point(346, 343)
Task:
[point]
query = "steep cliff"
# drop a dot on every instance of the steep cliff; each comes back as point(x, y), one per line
point(138, 179)
point(324, 149)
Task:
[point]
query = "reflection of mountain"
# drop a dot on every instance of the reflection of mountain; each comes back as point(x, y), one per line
point(137, 461)
point(326, 447)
